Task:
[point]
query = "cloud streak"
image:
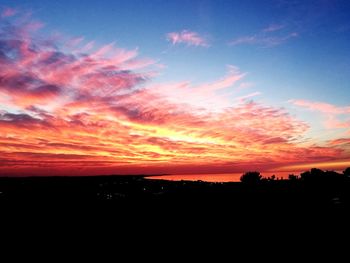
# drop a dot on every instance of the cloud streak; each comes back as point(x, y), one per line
point(271, 36)
point(335, 117)
point(265, 41)
point(321, 107)
point(273, 28)
point(188, 38)
point(8, 12)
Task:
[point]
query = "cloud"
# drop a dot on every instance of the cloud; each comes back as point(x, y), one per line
point(27, 89)
point(321, 106)
point(245, 40)
point(278, 40)
point(248, 96)
point(22, 120)
point(95, 110)
point(265, 41)
point(8, 12)
point(271, 36)
point(229, 80)
point(189, 38)
point(331, 113)
point(210, 96)
point(273, 28)
point(340, 141)
point(332, 122)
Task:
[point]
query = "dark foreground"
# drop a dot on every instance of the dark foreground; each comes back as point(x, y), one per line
point(281, 194)
point(167, 209)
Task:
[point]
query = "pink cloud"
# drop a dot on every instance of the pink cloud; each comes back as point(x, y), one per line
point(321, 107)
point(331, 113)
point(248, 96)
point(332, 122)
point(206, 95)
point(8, 12)
point(229, 80)
point(187, 37)
point(74, 41)
point(340, 141)
point(33, 26)
point(87, 47)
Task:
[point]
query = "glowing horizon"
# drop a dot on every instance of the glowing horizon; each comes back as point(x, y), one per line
point(69, 105)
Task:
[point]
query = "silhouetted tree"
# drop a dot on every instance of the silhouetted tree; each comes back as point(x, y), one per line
point(269, 178)
point(293, 177)
point(251, 177)
point(305, 175)
point(317, 172)
point(313, 174)
point(347, 172)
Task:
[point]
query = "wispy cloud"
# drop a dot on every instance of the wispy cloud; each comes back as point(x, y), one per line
point(267, 37)
point(265, 41)
point(321, 106)
point(8, 12)
point(278, 40)
point(248, 96)
point(245, 85)
point(245, 40)
point(187, 37)
point(340, 141)
point(212, 95)
point(331, 113)
point(273, 28)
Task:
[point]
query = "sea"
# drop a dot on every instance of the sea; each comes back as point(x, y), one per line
point(219, 178)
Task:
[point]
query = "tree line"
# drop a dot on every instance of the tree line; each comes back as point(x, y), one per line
point(314, 175)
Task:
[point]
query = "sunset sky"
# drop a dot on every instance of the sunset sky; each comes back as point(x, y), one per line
point(149, 87)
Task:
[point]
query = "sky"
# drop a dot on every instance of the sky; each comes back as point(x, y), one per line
point(151, 87)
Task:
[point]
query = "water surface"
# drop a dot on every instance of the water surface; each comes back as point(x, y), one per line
point(223, 178)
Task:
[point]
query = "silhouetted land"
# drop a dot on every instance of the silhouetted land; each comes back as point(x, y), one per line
point(136, 209)
point(312, 189)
